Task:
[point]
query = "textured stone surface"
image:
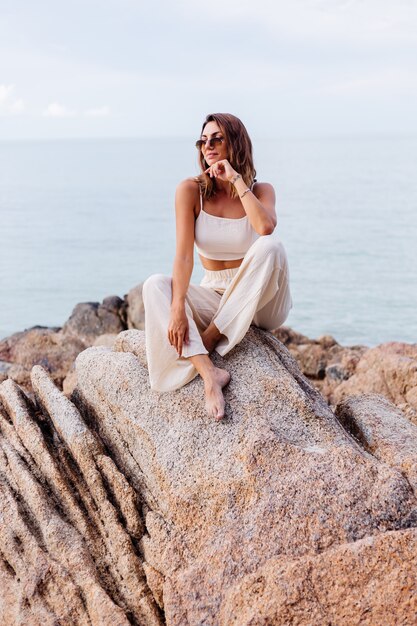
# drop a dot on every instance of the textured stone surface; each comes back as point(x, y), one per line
point(120, 505)
point(48, 347)
point(70, 522)
point(91, 319)
point(325, 362)
point(371, 582)
point(56, 348)
point(135, 308)
point(382, 430)
point(278, 478)
point(70, 381)
point(338, 372)
point(389, 369)
point(4, 368)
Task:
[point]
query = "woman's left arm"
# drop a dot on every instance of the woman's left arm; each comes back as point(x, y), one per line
point(259, 204)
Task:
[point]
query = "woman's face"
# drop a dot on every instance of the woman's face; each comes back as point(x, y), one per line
point(215, 150)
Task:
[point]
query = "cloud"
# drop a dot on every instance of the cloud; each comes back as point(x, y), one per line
point(272, 61)
point(314, 20)
point(58, 110)
point(9, 104)
point(5, 91)
point(103, 111)
point(384, 82)
point(18, 106)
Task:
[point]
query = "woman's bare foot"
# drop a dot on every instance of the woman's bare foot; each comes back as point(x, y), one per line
point(215, 378)
point(213, 386)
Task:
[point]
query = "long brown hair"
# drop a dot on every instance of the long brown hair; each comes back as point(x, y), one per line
point(239, 148)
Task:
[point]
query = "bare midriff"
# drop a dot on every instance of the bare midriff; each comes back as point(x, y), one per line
point(214, 265)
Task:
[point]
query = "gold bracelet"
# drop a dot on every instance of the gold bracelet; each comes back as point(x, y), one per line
point(235, 178)
point(246, 191)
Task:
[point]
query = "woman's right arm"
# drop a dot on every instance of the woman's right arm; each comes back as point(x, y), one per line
point(185, 197)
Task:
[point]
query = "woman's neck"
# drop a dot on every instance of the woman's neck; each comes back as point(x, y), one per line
point(223, 187)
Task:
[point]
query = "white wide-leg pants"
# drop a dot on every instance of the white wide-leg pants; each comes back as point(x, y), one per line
point(256, 293)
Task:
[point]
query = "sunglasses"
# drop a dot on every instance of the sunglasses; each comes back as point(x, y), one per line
point(212, 143)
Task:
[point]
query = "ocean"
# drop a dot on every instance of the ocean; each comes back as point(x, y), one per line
point(84, 219)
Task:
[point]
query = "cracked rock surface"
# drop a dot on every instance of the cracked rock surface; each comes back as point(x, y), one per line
point(70, 524)
point(121, 505)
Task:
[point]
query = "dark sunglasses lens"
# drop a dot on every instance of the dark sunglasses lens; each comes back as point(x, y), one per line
point(214, 141)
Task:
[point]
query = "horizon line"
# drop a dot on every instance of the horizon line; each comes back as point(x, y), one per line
point(308, 135)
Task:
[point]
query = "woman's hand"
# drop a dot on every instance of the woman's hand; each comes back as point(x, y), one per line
point(178, 331)
point(222, 170)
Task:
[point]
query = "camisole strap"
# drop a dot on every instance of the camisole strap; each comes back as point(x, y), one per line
point(201, 195)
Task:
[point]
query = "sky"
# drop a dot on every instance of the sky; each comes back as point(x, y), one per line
point(128, 68)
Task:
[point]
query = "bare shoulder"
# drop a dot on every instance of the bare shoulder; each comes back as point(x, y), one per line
point(188, 188)
point(263, 189)
point(187, 199)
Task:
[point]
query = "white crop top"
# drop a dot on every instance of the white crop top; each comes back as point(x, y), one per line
point(222, 238)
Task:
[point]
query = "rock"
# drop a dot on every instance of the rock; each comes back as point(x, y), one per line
point(338, 372)
point(325, 362)
point(327, 341)
point(135, 308)
point(279, 478)
point(91, 319)
point(121, 505)
point(70, 382)
point(383, 431)
point(341, 365)
point(290, 337)
point(389, 369)
point(313, 359)
point(70, 521)
point(9, 345)
point(107, 339)
point(90, 323)
point(4, 369)
point(132, 341)
point(369, 582)
point(39, 346)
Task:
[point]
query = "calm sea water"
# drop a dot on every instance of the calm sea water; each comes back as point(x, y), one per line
point(84, 219)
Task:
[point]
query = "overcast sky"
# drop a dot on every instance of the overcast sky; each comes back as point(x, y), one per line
point(128, 68)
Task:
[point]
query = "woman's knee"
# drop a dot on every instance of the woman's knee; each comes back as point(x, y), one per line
point(156, 282)
point(269, 245)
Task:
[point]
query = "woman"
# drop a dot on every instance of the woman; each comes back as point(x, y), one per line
point(230, 218)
